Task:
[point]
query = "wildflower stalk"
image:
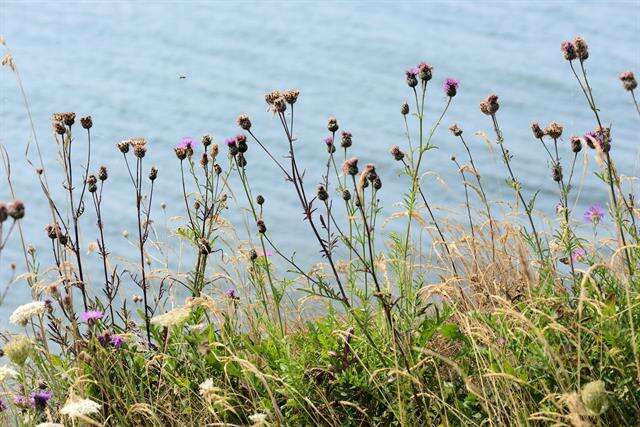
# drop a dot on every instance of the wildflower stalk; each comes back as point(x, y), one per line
point(468, 206)
point(516, 185)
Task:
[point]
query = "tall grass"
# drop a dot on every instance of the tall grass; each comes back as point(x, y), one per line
point(491, 321)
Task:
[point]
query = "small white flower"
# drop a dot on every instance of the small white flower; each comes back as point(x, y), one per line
point(7, 373)
point(25, 312)
point(258, 419)
point(76, 408)
point(172, 317)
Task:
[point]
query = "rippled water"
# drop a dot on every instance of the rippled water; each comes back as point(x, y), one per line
point(121, 62)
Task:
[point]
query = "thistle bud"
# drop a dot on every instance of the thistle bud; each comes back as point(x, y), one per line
point(214, 150)
point(345, 139)
point(569, 50)
point(123, 147)
point(425, 71)
point(4, 212)
point(291, 96)
point(69, 118)
point(377, 183)
point(280, 105)
point(332, 124)
point(242, 143)
point(244, 121)
point(576, 144)
point(321, 192)
point(206, 140)
point(102, 173)
point(262, 228)
point(628, 80)
point(404, 109)
point(271, 97)
point(260, 200)
point(51, 231)
point(16, 210)
point(350, 167)
point(556, 172)
point(412, 80)
point(346, 195)
point(582, 50)
point(91, 179)
point(538, 133)
point(233, 146)
point(217, 169)
point(253, 255)
point(139, 150)
point(92, 188)
point(153, 173)
point(554, 130)
point(397, 153)
point(455, 130)
point(329, 143)
point(241, 160)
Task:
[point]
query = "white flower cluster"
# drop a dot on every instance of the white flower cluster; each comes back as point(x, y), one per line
point(24, 313)
point(76, 408)
point(173, 317)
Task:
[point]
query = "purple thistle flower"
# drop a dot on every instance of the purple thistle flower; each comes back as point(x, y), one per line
point(450, 87)
point(594, 214)
point(91, 315)
point(578, 254)
point(3, 406)
point(117, 341)
point(231, 293)
point(265, 254)
point(328, 140)
point(40, 398)
point(231, 142)
point(412, 72)
point(186, 143)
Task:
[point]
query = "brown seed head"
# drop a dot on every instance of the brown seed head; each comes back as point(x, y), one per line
point(153, 173)
point(582, 50)
point(244, 121)
point(181, 153)
point(490, 105)
point(272, 96)
point(576, 144)
point(262, 228)
point(455, 130)
point(346, 139)
point(538, 133)
point(291, 96)
point(102, 173)
point(350, 167)
point(16, 210)
point(206, 140)
point(569, 50)
point(628, 80)
point(58, 127)
point(332, 124)
point(86, 122)
point(404, 109)
point(397, 153)
point(554, 130)
point(123, 146)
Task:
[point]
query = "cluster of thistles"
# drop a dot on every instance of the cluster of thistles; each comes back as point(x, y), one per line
point(424, 73)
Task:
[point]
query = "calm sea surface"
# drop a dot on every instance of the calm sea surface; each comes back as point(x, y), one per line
point(120, 62)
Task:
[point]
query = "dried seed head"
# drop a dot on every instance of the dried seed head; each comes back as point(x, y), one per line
point(346, 195)
point(490, 105)
point(332, 124)
point(291, 96)
point(271, 97)
point(153, 173)
point(455, 129)
point(397, 153)
point(556, 172)
point(16, 210)
point(92, 188)
point(204, 160)
point(123, 146)
point(51, 231)
point(628, 80)
point(582, 50)
point(350, 167)
point(569, 50)
point(217, 169)
point(280, 105)
point(91, 179)
point(260, 200)
point(86, 122)
point(58, 127)
point(554, 130)
point(253, 255)
point(576, 144)
point(321, 192)
point(404, 108)
point(244, 121)
point(214, 150)
point(102, 173)
point(377, 183)
point(4, 212)
point(206, 140)
point(69, 118)
point(538, 133)
point(137, 299)
point(139, 149)
point(346, 139)
point(262, 228)
point(181, 153)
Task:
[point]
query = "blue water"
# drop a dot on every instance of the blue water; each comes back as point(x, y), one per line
point(121, 62)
